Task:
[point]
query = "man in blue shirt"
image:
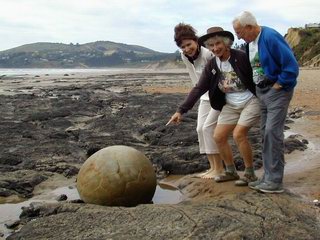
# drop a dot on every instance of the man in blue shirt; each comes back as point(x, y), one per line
point(275, 72)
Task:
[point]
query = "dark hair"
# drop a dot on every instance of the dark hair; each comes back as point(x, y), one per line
point(184, 31)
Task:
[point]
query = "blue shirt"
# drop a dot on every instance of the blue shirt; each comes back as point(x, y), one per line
point(277, 59)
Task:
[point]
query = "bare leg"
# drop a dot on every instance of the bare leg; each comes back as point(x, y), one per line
point(207, 121)
point(216, 166)
point(240, 136)
point(200, 175)
point(221, 134)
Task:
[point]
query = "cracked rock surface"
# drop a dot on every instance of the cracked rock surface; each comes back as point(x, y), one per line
point(50, 126)
point(235, 216)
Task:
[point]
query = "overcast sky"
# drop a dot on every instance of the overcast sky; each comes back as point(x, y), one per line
point(147, 23)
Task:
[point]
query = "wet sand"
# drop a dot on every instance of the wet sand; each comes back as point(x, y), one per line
point(302, 168)
point(307, 93)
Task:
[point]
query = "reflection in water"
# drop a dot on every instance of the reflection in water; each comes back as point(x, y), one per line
point(167, 195)
point(288, 133)
point(10, 210)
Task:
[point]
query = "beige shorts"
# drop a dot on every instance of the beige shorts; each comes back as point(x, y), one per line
point(244, 115)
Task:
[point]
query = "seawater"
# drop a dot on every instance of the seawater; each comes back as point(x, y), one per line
point(52, 71)
point(10, 212)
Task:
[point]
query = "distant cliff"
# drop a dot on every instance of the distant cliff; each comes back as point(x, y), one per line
point(95, 54)
point(305, 43)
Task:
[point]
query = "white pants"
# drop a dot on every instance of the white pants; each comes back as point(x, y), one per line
point(207, 122)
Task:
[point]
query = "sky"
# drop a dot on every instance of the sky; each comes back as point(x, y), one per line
point(147, 23)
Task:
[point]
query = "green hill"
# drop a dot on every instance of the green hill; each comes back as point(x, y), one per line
point(95, 54)
point(305, 43)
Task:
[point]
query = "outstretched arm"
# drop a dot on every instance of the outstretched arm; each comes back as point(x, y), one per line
point(198, 90)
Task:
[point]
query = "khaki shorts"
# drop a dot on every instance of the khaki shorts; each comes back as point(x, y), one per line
point(244, 115)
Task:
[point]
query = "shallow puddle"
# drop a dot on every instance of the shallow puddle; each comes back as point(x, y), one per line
point(288, 133)
point(10, 208)
point(167, 195)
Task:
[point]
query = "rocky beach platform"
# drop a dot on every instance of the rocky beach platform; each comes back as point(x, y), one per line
point(51, 124)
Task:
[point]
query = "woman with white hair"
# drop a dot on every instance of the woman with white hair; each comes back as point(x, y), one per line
point(228, 77)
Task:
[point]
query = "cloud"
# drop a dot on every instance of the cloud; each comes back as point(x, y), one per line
point(147, 23)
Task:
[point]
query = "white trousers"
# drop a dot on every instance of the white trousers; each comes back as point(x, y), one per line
point(206, 124)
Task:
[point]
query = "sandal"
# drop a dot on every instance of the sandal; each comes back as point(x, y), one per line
point(246, 179)
point(228, 176)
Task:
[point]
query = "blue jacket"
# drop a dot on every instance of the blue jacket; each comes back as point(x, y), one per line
point(277, 59)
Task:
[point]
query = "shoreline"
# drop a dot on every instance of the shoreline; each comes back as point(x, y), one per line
point(79, 72)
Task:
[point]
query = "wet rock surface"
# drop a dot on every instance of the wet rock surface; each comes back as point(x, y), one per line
point(295, 142)
point(52, 128)
point(237, 216)
point(20, 182)
point(62, 197)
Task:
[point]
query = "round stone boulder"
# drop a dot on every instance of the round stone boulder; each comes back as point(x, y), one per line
point(117, 176)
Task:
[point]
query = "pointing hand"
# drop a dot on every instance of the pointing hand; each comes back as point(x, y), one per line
point(175, 118)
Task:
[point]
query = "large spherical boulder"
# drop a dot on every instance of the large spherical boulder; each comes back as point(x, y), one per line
point(117, 176)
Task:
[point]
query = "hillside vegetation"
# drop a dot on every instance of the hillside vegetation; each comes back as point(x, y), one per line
point(304, 42)
point(95, 54)
point(306, 45)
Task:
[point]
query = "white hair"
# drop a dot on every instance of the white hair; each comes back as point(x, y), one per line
point(227, 41)
point(245, 18)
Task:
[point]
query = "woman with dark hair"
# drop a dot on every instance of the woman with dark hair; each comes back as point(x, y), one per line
point(228, 77)
point(195, 58)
